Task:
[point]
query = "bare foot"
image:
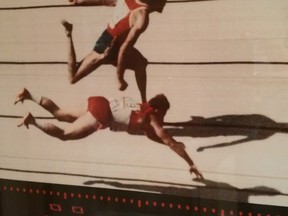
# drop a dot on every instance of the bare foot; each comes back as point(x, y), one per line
point(123, 85)
point(24, 95)
point(68, 27)
point(27, 120)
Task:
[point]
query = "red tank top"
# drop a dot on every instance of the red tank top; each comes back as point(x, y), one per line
point(138, 118)
point(120, 22)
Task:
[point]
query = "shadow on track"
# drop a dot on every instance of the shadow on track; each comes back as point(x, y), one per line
point(210, 190)
point(253, 127)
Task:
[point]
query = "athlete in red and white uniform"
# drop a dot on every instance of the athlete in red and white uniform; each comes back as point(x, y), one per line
point(122, 114)
point(129, 115)
point(116, 44)
point(122, 19)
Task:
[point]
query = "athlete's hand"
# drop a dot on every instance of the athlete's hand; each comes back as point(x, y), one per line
point(193, 169)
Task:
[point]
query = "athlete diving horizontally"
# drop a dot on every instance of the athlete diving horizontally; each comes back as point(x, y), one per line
point(122, 114)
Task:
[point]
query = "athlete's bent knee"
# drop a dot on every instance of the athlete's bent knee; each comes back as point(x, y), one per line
point(143, 62)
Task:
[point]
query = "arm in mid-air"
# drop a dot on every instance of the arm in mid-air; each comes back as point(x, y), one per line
point(93, 2)
point(158, 134)
point(139, 26)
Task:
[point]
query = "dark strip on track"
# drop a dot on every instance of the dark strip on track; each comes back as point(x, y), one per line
point(156, 63)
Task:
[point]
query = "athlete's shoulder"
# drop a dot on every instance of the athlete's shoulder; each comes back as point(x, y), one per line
point(134, 4)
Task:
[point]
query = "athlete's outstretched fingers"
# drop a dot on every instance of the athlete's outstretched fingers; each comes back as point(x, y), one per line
point(193, 169)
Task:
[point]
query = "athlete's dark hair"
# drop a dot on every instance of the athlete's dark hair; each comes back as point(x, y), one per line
point(160, 101)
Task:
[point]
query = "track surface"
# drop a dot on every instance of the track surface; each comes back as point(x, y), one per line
point(225, 59)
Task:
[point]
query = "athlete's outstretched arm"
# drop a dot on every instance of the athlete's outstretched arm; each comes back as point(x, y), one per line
point(161, 136)
point(93, 2)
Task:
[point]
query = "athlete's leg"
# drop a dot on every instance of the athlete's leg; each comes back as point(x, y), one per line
point(82, 127)
point(90, 63)
point(72, 61)
point(50, 106)
point(138, 63)
point(61, 114)
point(24, 94)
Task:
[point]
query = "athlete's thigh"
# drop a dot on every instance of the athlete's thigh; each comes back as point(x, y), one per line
point(70, 114)
point(88, 64)
point(134, 59)
point(82, 127)
point(78, 110)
